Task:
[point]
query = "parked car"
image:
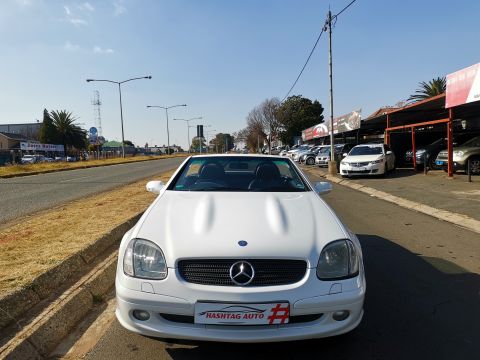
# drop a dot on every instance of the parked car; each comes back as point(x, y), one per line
point(309, 156)
point(300, 148)
point(368, 159)
point(468, 151)
point(71, 159)
point(59, 158)
point(195, 267)
point(276, 150)
point(323, 157)
point(28, 159)
point(40, 158)
point(429, 151)
point(296, 156)
point(48, 159)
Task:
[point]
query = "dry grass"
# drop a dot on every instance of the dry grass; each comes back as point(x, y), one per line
point(45, 167)
point(37, 244)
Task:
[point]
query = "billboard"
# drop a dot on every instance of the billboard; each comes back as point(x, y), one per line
point(347, 122)
point(463, 86)
point(40, 147)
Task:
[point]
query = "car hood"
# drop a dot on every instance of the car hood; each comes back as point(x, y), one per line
point(362, 158)
point(210, 225)
point(463, 148)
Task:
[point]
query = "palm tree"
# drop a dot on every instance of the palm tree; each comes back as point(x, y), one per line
point(68, 132)
point(427, 90)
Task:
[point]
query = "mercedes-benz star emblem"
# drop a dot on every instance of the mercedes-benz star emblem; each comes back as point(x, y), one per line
point(242, 273)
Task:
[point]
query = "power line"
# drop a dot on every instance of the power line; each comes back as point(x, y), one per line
point(345, 8)
point(305, 65)
point(314, 46)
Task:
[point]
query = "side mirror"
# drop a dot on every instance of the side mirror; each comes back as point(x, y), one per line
point(388, 152)
point(154, 186)
point(344, 154)
point(322, 187)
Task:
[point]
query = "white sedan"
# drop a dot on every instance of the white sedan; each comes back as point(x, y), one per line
point(239, 248)
point(368, 159)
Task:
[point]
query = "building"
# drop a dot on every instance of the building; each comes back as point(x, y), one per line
point(9, 141)
point(30, 131)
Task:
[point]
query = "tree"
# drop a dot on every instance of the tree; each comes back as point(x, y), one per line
point(70, 134)
point(263, 121)
point(196, 144)
point(128, 143)
point(427, 90)
point(297, 114)
point(48, 132)
point(222, 142)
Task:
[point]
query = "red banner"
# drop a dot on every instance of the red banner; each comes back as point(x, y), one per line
point(463, 86)
point(348, 122)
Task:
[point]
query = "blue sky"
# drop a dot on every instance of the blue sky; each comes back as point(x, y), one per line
point(220, 57)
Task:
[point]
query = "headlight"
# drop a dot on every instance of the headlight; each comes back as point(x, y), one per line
point(458, 153)
point(144, 259)
point(376, 161)
point(338, 260)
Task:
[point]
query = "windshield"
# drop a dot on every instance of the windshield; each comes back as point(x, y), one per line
point(235, 173)
point(475, 142)
point(366, 150)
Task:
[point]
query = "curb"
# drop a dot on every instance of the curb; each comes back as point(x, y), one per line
point(40, 336)
point(77, 168)
point(15, 304)
point(461, 220)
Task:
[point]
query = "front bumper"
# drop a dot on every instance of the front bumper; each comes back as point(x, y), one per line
point(370, 169)
point(304, 299)
point(321, 161)
point(458, 164)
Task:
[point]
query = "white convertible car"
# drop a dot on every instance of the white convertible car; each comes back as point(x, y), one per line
point(239, 248)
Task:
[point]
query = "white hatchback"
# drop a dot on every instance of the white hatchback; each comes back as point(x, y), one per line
point(368, 159)
point(239, 248)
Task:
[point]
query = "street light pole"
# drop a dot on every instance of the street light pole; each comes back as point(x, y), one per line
point(121, 108)
point(166, 113)
point(188, 128)
point(121, 120)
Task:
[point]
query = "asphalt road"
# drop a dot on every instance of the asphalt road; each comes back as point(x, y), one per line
point(25, 195)
point(421, 302)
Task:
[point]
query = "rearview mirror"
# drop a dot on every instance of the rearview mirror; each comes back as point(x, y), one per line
point(154, 186)
point(344, 154)
point(388, 152)
point(322, 187)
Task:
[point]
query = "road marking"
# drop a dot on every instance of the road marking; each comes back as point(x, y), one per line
point(81, 177)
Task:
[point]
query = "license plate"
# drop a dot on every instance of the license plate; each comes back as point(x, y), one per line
point(242, 314)
point(439, 162)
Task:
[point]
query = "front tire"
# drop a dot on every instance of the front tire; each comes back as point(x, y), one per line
point(310, 161)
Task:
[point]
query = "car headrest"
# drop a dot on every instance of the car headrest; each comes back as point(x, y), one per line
point(212, 171)
point(267, 171)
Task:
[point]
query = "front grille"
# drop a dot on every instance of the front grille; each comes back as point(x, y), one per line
point(359, 164)
point(361, 171)
point(268, 272)
point(185, 319)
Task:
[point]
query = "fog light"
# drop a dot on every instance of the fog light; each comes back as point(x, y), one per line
point(141, 315)
point(341, 315)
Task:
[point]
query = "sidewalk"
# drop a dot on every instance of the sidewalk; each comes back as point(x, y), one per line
point(453, 200)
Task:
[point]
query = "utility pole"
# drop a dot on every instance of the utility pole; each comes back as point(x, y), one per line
point(332, 164)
